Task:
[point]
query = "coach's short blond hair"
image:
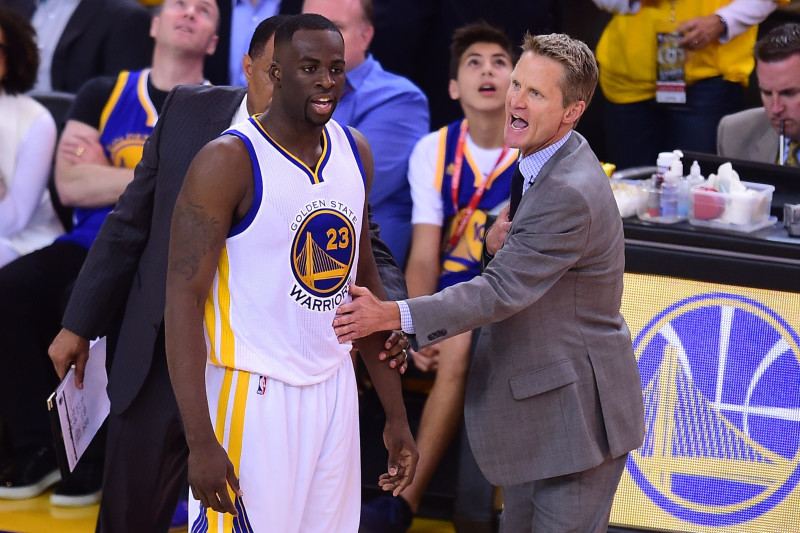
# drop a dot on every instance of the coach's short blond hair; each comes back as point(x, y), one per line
point(580, 66)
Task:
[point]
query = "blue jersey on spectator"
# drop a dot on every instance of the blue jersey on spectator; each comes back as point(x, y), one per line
point(127, 120)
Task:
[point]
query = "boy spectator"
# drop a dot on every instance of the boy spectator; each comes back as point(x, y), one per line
point(457, 175)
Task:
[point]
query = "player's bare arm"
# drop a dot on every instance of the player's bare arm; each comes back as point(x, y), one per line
point(397, 437)
point(215, 194)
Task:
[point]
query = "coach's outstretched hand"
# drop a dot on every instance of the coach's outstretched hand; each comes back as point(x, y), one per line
point(364, 315)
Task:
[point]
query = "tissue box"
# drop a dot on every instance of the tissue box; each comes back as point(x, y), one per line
point(741, 210)
point(629, 196)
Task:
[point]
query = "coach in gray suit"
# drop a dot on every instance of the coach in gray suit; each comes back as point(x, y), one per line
point(554, 398)
point(754, 133)
point(126, 268)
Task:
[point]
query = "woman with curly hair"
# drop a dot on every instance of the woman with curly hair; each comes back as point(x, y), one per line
point(27, 140)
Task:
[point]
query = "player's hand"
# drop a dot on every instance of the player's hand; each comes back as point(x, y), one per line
point(427, 358)
point(396, 351)
point(210, 474)
point(496, 235)
point(68, 349)
point(403, 457)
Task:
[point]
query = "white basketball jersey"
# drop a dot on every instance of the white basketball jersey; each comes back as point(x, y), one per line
point(288, 264)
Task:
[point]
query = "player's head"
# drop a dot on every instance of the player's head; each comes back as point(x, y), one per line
point(308, 68)
point(481, 60)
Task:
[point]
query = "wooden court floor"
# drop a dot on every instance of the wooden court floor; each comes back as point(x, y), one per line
point(36, 515)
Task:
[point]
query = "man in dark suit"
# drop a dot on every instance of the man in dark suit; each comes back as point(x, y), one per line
point(146, 452)
point(554, 369)
point(101, 38)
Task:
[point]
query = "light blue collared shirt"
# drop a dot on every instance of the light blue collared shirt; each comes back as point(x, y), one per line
point(392, 113)
point(406, 324)
point(244, 19)
point(531, 166)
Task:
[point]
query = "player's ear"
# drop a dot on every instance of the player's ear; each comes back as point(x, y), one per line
point(275, 74)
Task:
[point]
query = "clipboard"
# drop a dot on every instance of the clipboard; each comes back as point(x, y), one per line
point(77, 414)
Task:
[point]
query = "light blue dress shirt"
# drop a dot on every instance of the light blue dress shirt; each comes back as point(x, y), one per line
point(392, 113)
point(531, 166)
point(244, 19)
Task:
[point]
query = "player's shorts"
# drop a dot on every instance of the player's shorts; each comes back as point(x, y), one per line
point(295, 451)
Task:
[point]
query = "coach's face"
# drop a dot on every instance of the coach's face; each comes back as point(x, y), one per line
point(535, 112)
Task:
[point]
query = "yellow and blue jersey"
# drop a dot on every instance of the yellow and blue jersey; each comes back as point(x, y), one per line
point(126, 122)
point(462, 261)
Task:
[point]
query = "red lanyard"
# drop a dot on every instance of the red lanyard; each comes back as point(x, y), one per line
point(456, 181)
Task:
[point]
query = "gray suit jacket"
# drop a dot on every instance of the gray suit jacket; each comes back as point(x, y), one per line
point(748, 135)
point(554, 386)
point(127, 264)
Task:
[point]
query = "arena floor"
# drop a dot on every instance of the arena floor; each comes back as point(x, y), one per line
point(36, 515)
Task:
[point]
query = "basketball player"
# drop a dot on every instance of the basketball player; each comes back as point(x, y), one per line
point(258, 264)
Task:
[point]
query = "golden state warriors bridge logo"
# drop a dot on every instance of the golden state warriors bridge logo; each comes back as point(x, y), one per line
point(721, 380)
point(322, 257)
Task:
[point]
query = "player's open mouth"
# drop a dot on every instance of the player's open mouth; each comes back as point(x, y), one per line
point(487, 88)
point(323, 105)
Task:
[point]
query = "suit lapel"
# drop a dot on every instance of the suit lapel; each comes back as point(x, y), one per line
point(543, 177)
point(225, 107)
point(766, 143)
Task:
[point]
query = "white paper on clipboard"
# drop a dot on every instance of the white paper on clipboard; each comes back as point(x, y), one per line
point(81, 412)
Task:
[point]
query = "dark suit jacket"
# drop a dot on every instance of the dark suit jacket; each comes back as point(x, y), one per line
point(554, 385)
point(128, 260)
point(101, 38)
point(216, 66)
point(23, 7)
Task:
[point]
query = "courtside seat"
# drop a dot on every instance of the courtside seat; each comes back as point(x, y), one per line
point(59, 104)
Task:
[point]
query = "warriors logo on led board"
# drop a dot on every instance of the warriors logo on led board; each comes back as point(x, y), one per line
point(721, 381)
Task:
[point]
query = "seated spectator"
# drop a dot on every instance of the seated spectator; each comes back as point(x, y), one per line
point(457, 174)
point(27, 139)
point(755, 133)
point(81, 39)
point(389, 110)
point(101, 144)
point(716, 39)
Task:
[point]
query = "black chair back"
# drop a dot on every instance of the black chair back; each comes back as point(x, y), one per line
point(59, 104)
